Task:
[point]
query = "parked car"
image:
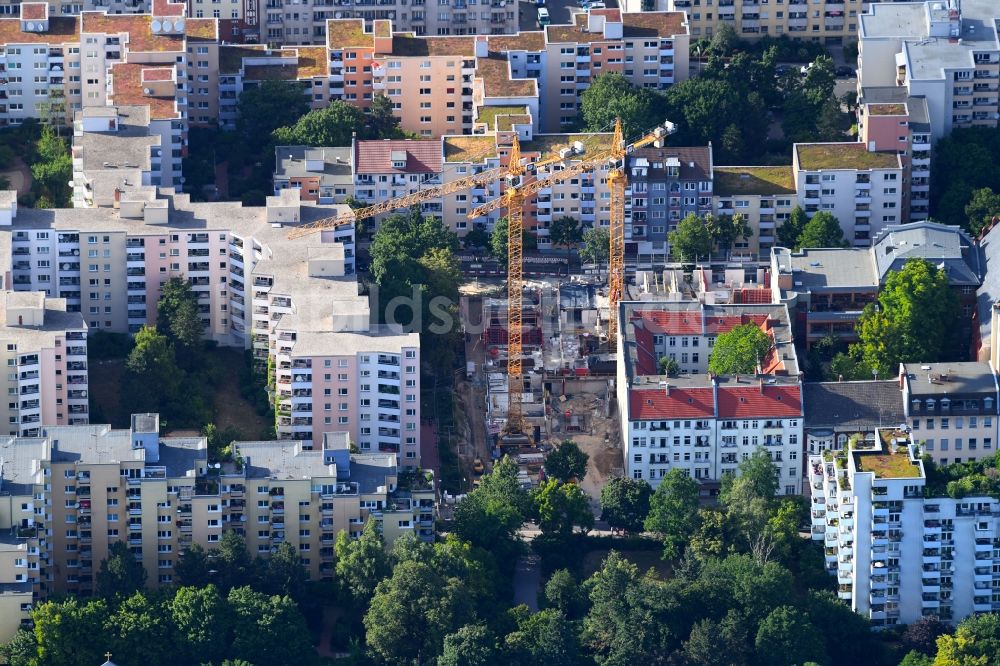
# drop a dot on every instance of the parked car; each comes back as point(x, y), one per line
point(845, 72)
point(781, 70)
point(543, 17)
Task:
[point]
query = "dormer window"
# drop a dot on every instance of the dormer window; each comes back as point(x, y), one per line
point(945, 404)
point(398, 159)
point(988, 404)
point(930, 404)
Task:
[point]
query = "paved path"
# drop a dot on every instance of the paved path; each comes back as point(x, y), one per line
point(527, 581)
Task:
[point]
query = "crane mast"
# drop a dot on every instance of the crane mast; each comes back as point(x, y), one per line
point(514, 201)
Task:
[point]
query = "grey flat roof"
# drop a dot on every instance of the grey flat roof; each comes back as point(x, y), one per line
point(283, 459)
point(989, 292)
point(56, 321)
point(290, 162)
point(916, 107)
point(963, 377)
point(17, 464)
point(947, 247)
point(818, 269)
point(852, 405)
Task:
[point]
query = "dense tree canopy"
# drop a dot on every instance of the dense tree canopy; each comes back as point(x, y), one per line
point(625, 503)
point(673, 512)
point(913, 321)
point(268, 106)
point(612, 96)
point(566, 462)
point(338, 123)
point(963, 163)
point(691, 240)
point(596, 245)
point(822, 230)
point(740, 351)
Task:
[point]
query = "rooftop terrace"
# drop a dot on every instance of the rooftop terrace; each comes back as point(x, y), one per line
point(754, 180)
point(852, 155)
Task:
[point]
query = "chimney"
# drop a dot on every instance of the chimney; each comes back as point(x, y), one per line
point(760, 384)
point(666, 388)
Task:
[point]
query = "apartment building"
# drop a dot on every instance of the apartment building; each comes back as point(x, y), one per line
point(45, 349)
point(829, 21)
point(951, 409)
point(764, 196)
point(649, 48)
point(901, 549)
point(290, 23)
point(700, 423)
point(294, 303)
point(324, 175)
point(837, 411)
point(829, 288)
point(113, 148)
point(861, 188)
point(890, 120)
point(389, 169)
point(74, 490)
point(20, 554)
point(945, 52)
point(663, 186)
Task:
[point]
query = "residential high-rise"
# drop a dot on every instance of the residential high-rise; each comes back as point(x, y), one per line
point(901, 547)
point(72, 491)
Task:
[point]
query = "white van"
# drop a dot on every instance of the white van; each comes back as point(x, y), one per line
point(543, 17)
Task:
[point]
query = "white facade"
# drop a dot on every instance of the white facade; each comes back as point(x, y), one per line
point(897, 555)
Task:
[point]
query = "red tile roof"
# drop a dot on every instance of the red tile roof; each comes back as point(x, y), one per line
point(422, 156)
point(168, 8)
point(647, 404)
point(646, 362)
point(34, 11)
point(752, 401)
point(720, 325)
point(672, 323)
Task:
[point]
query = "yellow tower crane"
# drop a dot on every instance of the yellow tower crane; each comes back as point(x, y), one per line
point(513, 200)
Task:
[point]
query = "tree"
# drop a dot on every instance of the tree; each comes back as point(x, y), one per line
point(361, 563)
point(490, 515)
point(724, 40)
point(563, 594)
point(546, 637)
point(822, 230)
point(611, 96)
point(498, 240)
point(333, 125)
point(413, 611)
point(714, 643)
point(192, 566)
point(268, 631)
point(922, 635)
point(561, 506)
point(177, 315)
point(270, 105)
point(596, 246)
point(476, 239)
point(740, 351)
point(52, 170)
point(232, 561)
point(786, 638)
point(70, 632)
point(913, 321)
point(566, 462)
point(283, 574)
point(970, 158)
point(669, 366)
point(138, 628)
point(201, 619)
point(983, 206)
point(748, 499)
point(381, 122)
point(791, 229)
point(153, 376)
point(673, 512)
point(120, 575)
point(472, 645)
point(565, 231)
point(725, 229)
point(975, 641)
point(21, 650)
point(625, 503)
point(832, 123)
point(691, 240)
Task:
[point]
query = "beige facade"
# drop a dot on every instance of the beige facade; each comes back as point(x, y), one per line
point(67, 496)
point(832, 21)
point(764, 196)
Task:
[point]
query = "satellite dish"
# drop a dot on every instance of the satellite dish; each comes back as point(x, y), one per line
point(30, 27)
point(156, 26)
point(179, 25)
point(167, 26)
